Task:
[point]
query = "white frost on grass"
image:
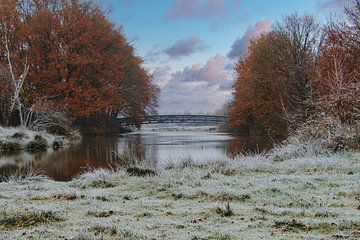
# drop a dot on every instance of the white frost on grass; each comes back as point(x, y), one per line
point(7, 135)
point(295, 198)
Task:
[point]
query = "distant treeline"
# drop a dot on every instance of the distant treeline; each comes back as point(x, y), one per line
point(74, 59)
point(299, 72)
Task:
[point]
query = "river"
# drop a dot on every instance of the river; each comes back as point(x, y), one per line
point(155, 148)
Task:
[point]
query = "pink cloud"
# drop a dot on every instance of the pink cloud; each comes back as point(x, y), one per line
point(200, 87)
point(239, 47)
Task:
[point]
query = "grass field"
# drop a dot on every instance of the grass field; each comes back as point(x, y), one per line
point(254, 197)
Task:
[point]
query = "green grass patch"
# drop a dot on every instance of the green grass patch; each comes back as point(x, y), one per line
point(104, 230)
point(290, 226)
point(102, 198)
point(224, 212)
point(140, 172)
point(100, 214)
point(27, 219)
point(102, 184)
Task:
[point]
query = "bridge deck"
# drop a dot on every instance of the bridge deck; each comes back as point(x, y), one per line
point(163, 119)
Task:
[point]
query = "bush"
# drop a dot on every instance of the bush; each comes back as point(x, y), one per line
point(327, 132)
point(320, 135)
point(140, 172)
point(127, 158)
point(57, 144)
point(39, 144)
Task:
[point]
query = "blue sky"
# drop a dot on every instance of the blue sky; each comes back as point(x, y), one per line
point(190, 46)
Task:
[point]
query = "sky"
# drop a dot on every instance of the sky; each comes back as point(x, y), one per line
point(191, 46)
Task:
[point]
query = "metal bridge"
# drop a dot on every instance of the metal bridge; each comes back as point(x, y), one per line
point(160, 119)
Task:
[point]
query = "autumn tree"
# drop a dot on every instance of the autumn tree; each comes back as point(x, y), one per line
point(77, 59)
point(258, 89)
point(338, 70)
point(13, 56)
point(5, 94)
point(273, 87)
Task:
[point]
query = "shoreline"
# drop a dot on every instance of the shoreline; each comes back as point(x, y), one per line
point(18, 139)
point(252, 197)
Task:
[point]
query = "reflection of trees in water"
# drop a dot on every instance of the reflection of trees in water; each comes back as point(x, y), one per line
point(12, 169)
point(243, 145)
point(19, 164)
point(145, 148)
point(98, 152)
point(66, 163)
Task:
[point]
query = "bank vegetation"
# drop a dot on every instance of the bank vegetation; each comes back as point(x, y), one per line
point(303, 79)
point(64, 64)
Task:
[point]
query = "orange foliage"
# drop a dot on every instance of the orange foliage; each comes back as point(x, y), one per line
point(338, 82)
point(79, 60)
point(258, 89)
point(283, 81)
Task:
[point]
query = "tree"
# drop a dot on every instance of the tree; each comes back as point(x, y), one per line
point(296, 50)
point(75, 58)
point(14, 54)
point(258, 87)
point(337, 82)
point(273, 84)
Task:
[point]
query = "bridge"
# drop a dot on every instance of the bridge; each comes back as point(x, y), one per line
point(163, 119)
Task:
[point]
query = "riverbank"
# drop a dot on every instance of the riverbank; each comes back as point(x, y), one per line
point(253, 197)
point(13, 140)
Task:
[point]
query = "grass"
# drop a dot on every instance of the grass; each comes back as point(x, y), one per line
point(12, 220)
point(252, 197)
point(140, 172)
point(100, 214)
point(224, 212)
point(107, 230)
point(290, 225)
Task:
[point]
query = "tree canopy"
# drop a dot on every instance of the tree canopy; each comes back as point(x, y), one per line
point(78, 59)
point(299, 71)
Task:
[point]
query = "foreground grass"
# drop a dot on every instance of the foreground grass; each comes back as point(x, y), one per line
point(254, 197)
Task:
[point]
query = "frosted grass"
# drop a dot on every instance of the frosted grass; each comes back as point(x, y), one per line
point(298, 197)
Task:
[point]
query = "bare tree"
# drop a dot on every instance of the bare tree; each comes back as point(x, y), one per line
point(298, 41)
point(17, 81)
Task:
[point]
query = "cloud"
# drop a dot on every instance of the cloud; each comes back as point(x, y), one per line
point(211, 11)
point(185, 47)
point(200, 87)
point(239, 47)
point(226, 86)
point(161, 75)
point(326, 4)
point(212, 73)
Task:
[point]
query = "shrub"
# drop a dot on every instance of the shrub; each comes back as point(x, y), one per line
point(127, 158)
point(39, 144)
point(224, 212)
point(140, 172)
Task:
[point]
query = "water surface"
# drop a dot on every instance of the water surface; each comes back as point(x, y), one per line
point(156, 148)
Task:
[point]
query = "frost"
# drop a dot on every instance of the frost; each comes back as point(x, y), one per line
point(250, 197)
point(27, 135)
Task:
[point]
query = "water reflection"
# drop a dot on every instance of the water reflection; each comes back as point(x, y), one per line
point(156, 148)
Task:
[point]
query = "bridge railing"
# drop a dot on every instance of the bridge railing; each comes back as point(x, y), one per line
point(158, 119)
